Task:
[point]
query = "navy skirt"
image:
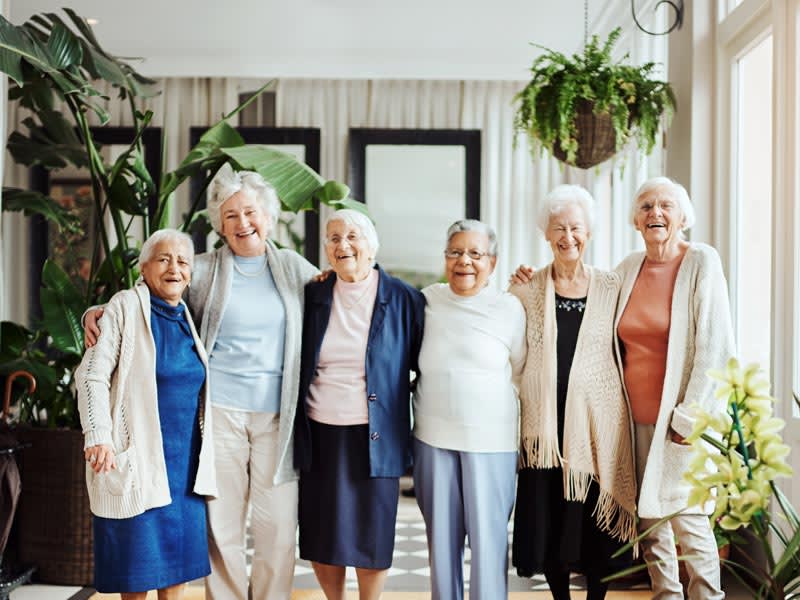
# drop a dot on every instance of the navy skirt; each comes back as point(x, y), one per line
point(347, 518)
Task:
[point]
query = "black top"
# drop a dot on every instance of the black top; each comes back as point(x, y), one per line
point(569, 314)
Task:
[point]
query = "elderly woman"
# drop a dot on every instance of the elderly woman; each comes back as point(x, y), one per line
point(361, 337)
point(147, 423)
point(248, 297)
point(576, 491)
point(673, 323)
point(466, 417)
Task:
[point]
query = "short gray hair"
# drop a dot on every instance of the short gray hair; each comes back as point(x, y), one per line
point(465, 225)
point(360, 220)
point(563, 196)
point(228, 182)
point(676, 192)
point(166, 235)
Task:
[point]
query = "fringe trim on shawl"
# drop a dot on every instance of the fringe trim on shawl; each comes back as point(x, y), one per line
point(539, 453)
point(610, 516)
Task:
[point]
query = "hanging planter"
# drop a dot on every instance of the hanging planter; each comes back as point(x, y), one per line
point(583, 109)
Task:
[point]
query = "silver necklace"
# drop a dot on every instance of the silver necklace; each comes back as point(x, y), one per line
point(254, 274)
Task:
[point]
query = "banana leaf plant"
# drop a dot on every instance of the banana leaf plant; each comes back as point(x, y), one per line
point(54, 63)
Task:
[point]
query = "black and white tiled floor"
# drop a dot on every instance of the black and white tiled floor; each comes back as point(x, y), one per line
point(410, 571)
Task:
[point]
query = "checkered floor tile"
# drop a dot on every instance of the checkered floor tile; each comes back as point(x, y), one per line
point(410, 571)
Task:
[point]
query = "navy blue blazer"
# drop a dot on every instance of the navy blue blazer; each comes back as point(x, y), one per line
point(395, 336)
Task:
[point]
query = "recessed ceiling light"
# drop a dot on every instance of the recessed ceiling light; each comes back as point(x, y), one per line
point(92, 21)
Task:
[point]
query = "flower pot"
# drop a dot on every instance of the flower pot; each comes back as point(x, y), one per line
point(53, 521)
point(597, 141)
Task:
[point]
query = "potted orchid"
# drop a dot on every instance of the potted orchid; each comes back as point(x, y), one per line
point(739, 453)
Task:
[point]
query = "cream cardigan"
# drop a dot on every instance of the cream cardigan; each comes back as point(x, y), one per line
point(597, 431)
point(700, 338)
point(209, 295)
point(118, 404)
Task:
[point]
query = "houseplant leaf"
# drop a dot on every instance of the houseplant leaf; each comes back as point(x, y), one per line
point(295, 182)
point(62, 307)
point(36, 203)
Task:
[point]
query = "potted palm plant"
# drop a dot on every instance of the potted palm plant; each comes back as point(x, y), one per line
point(584, 108)
point(53, 63)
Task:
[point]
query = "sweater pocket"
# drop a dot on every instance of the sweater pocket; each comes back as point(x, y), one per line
point(120, 481)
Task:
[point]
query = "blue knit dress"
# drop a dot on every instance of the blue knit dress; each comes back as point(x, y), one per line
point(165, 545)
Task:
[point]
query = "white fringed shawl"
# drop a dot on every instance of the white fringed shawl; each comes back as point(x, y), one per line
point(597, 430)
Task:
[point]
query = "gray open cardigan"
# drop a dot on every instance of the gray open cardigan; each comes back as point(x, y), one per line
point(208, 297)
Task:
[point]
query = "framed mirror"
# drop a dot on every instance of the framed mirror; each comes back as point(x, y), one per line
point(71, 187)
point(300, 232)
point(416, 183)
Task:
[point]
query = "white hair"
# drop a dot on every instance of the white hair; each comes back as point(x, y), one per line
point(363, 222)
point(563, 196)
point(167, 235)
point(228, 182)
point(674, 190)
point(464, 225)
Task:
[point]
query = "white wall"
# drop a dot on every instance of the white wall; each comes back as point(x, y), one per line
point(413, 39)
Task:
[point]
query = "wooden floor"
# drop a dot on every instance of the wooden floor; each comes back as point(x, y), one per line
point(197, 593)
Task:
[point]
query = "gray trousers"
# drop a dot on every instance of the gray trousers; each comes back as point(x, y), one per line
point(692, 532)
point(466, 494)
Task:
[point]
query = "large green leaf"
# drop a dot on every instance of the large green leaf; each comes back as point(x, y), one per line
point(14, 45)
point(295, 182)
point(122, 259)
point(36, 203)
point(64, 47)
point(52, 143)
point(62, 307)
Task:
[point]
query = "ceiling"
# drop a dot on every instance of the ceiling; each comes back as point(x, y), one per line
point(441, 39)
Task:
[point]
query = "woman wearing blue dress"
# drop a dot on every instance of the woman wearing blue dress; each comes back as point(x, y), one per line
point(143, 400)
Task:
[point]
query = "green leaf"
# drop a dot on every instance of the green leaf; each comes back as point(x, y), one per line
point(352, 204)
point(64, 47)
point(14, 339)
point(52, 144)
point(295, 182)
point(14, 45)
point(35, 203)
point(126, 196)
point(62, 307)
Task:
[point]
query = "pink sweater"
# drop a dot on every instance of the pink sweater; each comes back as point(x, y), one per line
point(338, 393)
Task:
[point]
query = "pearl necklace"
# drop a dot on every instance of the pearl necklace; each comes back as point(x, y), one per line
point(254, 274)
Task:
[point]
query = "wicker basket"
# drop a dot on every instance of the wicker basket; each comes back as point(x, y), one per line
point(597, 141)
point(54, 525)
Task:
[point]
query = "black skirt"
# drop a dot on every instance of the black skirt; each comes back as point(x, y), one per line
point(551, 534)
point(346, 517)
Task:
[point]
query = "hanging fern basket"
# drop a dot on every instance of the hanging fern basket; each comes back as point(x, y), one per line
point(595, 134)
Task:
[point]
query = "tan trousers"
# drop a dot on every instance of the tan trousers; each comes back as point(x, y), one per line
point(693, 533)
point(246, 445)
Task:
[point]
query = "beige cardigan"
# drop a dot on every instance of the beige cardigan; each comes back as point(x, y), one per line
point(597, 431)
point(208, 297)
point(700, 338)
point(118, 404)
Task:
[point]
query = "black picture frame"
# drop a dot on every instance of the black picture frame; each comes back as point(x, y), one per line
point(309, 138)
point(39, 180)
point(360, 138)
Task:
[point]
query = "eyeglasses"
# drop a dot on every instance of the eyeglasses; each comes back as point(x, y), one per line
point(351, 238)
point(473, 253)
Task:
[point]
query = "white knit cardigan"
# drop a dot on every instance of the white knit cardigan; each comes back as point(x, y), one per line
point(208, 298)
point(597, 431)
point(700, 338)
point(118, 405)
